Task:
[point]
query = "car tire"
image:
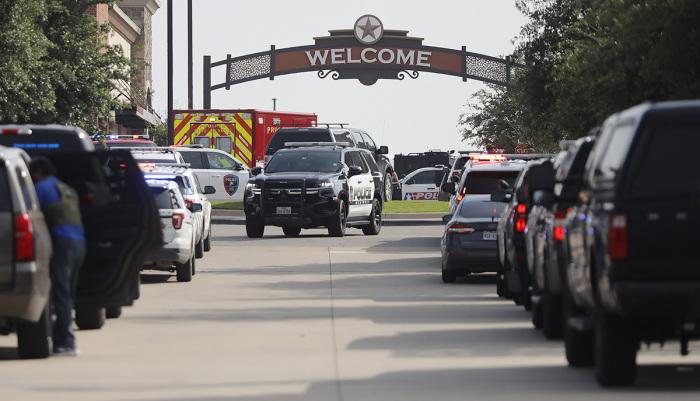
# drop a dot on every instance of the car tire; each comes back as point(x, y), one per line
point(254, 227)
point(577, 344)
point(207, 242)
point(500, 284)
point(338, 222)
point(34, 339)
point(183, 271)
point(113, 312)
point(199, 248)
point(194, 270)
point(90, 317)
point(448, 278)
point(615, 350)
point(375, 219)
point(291, 231)
point(552, 316)
point(388, 187)
point(537, 315)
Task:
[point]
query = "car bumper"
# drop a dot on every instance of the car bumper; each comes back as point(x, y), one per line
point(306, 216)
point(662, 300)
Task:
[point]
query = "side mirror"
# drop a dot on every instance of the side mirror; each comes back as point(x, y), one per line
point(383, 150)
point(208, 190)
point(503, 184)
point(255, 170)
point(542, 197)
point(446, 218)
point(449, 187)
point(354, 170)
point(196, 207)
point(455, 178)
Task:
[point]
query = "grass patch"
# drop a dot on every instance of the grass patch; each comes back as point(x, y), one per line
point(416, 207)
point(237, 205)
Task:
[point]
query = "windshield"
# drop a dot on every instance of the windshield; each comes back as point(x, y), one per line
point(486, 208)
point(303, 135)
point(485, 182)
point(316, 161)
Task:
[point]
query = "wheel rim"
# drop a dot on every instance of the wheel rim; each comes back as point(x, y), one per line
point(387, 187)
point(377, 214)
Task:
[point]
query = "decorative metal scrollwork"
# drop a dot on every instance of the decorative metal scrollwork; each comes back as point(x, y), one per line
point(489, 69)
point(334, 74)
point(250, 67)
point(405, 73)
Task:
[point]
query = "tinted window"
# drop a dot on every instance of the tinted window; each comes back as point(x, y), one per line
point(369, 142)
point(425, 177)
point(481, 209)
point(485, 182)
point(459, 163)
point(24, 182)
point(155, 157)
point(616, 150)
point(369, 159)
point(311, 161)
point(358, 140)
point(668, 168)
point(41, 142)
point(163, 198)
point(5, 200)
point(354, 159)
point(194, 159)
point(343, 136)
point(281, 137)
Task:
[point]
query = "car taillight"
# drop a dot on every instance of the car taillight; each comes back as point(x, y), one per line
point(560, 214)
point(522, 208)
point(24, 238)
point(464, 190)
point(459, 197)
point(617, 239)
point(177, 220)
point(520, 216)
point(520, 224)
point(559, 233)
point(457, 228)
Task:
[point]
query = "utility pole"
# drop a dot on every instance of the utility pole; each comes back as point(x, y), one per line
point(190, 82)
point(170, 72)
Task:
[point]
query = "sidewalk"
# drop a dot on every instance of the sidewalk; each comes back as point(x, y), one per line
point(219, 216)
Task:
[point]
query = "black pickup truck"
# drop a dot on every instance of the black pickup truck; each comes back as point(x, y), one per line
point(634, 275)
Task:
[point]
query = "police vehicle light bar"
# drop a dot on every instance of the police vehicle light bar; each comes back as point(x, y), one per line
point(486, 157)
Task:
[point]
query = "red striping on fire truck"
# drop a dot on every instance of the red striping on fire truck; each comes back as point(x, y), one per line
point(242, 133)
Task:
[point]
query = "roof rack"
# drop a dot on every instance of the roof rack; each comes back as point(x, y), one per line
point(313, 125)
point(310, 144)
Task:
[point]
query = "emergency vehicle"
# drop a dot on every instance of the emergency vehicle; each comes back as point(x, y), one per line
point(242, 133)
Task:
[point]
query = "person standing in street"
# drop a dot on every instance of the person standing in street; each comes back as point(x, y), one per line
point(59, 203)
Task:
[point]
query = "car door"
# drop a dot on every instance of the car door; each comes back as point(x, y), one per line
point(421, 186)
point(121, 221)
point(361, 186)
point(226, 175)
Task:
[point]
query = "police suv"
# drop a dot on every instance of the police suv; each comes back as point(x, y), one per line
point(309, 185)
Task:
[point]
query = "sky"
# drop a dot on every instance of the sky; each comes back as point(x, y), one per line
point(409, 116)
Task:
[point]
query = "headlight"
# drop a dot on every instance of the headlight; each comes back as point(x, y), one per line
point(324, 184)
point(251, 185)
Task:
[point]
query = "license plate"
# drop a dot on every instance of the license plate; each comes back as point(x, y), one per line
point(284, 210)
point(490, 235)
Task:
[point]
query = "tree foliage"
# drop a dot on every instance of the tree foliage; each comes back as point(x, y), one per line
point(587, 59)
point(55, 65)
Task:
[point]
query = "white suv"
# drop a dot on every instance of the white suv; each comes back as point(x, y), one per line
point(220, 170)
point(179, 229)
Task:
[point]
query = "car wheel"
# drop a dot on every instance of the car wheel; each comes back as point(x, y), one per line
point(577, 344)
point(194, 271)
point(448, 277)
point(291, 231)
point(388, 188)
point(615, 350)
point(207, 242)
point(113, 312)
point(34, 339)
point(199, 248)
point(552, 316)
point(254, 227)
point(90, 317)
point(375, 219)
point(537, 315)
point(183, 271)
point(337, 223)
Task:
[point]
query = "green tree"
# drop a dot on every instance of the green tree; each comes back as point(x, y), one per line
point(57, 67)
point(159, 134)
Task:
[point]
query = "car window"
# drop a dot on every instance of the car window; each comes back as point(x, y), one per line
point(164, 198)
point(369, 159)
point(485, 182)
point(313, 161)
point(197, 185)
point(281, 137)
point(24, 182)
point(358, 140)
point(369, 142)
point(481, 209)
point(343, 136)
point(425, 177)
point(616, 150)
point(218, 161)
point(353, 158)
point(667, 177)
point(5, 199)
point(194, 159)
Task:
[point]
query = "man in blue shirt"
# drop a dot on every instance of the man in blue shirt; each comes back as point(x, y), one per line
point(59, 203)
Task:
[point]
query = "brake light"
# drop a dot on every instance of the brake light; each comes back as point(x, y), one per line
point(24, 238)
point(520, 223)
point(10, 131)
point(177, 220)
point(459, 197)
point(617, 237)
point(559, 233)
point(561, 214)
point(522, 208)
point(457, 228)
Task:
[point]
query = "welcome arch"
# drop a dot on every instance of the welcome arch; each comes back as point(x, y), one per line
point(367, 53)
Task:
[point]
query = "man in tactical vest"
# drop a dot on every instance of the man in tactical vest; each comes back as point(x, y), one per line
point(59, 203)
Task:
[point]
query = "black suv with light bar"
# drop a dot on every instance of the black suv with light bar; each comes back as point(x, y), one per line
point(634, 275)
point(309, 185)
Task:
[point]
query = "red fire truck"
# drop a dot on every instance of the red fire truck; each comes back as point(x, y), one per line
point(242, 133)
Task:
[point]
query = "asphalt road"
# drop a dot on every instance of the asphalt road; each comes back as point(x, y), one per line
point(318, 318)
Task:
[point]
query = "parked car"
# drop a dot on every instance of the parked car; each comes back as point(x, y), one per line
point(633, 275)
point(177, 254)
point(119, 216)
point(421, 185)
point(468, 243)
point(216, 168)
point(25, 250)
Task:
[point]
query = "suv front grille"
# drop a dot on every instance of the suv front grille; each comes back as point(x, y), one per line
point(287, 193)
